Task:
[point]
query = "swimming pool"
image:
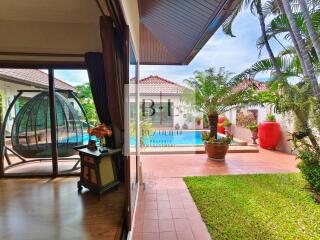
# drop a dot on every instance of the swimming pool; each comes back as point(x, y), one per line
point(173, 138)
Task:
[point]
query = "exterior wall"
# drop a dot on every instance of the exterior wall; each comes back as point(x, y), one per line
point(285, 122)
point(179, 117)
point(8, 90)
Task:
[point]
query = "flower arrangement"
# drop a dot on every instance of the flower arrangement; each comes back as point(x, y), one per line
point(207, 139)
point(100, 131)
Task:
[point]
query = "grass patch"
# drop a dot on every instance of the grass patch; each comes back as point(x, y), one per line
point(259, 206)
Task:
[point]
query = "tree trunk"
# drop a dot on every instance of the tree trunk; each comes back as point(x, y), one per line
point(264, 35)
point(213, 122)
point(308, 22)
point(307, 65)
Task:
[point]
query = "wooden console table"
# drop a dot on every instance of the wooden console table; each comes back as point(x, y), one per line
point(98, 171)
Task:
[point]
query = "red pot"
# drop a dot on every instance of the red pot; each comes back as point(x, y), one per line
point(269, 135)
point(220, 121)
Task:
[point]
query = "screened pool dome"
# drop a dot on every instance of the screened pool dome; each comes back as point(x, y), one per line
point(31, 130)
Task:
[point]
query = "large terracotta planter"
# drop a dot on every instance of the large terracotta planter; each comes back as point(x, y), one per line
point(269, 135)
point(220, 129)
point(216, 151)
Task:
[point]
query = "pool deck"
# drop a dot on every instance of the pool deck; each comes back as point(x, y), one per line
point(196, 149)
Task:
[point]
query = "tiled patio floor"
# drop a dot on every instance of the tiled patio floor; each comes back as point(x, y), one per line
point(165, 208)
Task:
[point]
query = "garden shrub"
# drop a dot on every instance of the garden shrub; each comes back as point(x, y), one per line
point(310, 168)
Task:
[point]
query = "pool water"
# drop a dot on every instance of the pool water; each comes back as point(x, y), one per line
point(172, 138)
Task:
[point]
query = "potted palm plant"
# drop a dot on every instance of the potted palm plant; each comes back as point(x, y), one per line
point(254, 131)
point(213, 93)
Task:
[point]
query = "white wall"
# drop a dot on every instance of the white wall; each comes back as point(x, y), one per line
point(8, 90)
point(286, 124)
point(178, 117)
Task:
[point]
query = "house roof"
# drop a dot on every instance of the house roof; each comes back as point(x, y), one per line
point(31, 77)
point(154, 85)
point(173, 32)
point(259, 86)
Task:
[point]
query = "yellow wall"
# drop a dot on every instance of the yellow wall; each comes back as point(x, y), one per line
point(131, 12)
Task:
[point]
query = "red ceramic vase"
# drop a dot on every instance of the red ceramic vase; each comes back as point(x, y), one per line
point(220, 128)
point(269, 135)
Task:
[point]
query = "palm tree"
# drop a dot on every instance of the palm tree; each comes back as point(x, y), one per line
point(256, 9)
point(214, 93)
point(301, 48)
point(313, 35)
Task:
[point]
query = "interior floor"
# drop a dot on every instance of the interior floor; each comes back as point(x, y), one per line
point(45, 208)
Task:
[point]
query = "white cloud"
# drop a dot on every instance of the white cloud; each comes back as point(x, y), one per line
point(73, 77)
point(236, 54)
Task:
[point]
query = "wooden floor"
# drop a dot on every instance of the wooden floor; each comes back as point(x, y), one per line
point(32, 209)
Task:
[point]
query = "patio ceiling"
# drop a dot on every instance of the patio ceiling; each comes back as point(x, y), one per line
point(173, 31)
point(49, 31)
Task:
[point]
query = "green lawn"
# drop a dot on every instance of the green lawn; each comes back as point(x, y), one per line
point(260, 206)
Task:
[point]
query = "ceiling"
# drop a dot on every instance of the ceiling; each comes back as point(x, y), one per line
point(49, 30)
point(173, 31)
point(62, 11)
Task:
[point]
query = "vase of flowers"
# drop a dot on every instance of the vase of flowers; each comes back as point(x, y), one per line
point(101, 132)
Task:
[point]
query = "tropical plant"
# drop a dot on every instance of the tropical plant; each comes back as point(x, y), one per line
point(84, 95)
point(206, 137)
point(252, 126)
point(301, 49)
point(258, 10)
point(214, 93)
point(271, 118)
point(296, 21)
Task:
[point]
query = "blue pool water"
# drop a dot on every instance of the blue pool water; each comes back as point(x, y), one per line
point(171, 138)
point(75, 139)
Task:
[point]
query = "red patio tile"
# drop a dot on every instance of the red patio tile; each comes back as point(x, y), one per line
point(137, 236)
point(178, 213)
point(150, 205)
point(166, 225)
point(164, 214)
point(150, 236)
point(185, 235)
point(168, 236)
point(163, 204)
point(150, 226)
point(162, 196)
point(150, 214)
point(177, 204)
point(150, 197)
point(181, 225)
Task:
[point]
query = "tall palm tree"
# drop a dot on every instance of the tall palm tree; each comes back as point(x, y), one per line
point(313, 35)
point(302, 51)
point(214, 94)
point(256, 9)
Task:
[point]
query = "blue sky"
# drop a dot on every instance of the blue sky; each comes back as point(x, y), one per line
point(236, 54)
